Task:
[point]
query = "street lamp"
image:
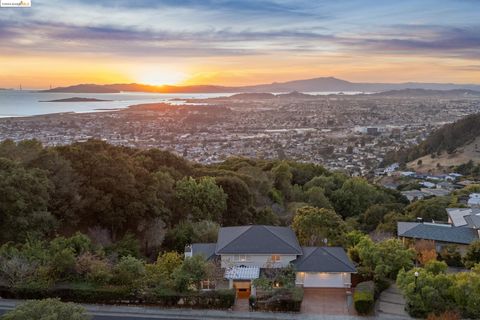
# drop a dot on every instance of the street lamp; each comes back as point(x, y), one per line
point(416, 277)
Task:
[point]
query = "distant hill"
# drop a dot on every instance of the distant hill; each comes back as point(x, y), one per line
point(266, 96)
point(76, 99)
point(296, 95)
point(84, 88)
point(323, 84)
point(452, 144)
point(428, 93)
point(252, 96)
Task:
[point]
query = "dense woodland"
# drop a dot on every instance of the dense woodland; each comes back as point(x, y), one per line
point(109, 192)
point(93, 222)
point(446, 139)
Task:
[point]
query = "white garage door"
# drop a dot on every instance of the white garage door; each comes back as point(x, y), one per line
point(323, 280)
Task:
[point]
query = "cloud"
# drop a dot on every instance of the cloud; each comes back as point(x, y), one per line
point(218, 28)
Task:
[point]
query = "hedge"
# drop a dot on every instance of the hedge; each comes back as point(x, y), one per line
point(363, 298)
point(282, 300)
point(215, 299)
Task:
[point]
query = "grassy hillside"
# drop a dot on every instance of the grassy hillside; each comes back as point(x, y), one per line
point(444, 160)
point(449, 145)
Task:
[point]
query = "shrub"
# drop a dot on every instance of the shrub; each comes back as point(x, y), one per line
point(128, 271)
point(363, 298)
point(473, 254)
point(93, 269)
point(127, 246)
point(49, 309)
point(447, 315)
point(436, 267)
point(451, 255)
point(282, 300)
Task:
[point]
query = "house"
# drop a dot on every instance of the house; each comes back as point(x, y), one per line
point(413, 195)
point(435, 192)
point(468, 217)
point(474, 200)
point(441, 233)
point(246, 252)
point(427, 184)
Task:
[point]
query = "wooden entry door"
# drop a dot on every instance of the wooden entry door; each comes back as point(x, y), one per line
point(243, 289)
point(243, 293)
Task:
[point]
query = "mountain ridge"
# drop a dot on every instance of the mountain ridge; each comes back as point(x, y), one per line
point(318, 84)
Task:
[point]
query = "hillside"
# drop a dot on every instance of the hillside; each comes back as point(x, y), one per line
point(452, 144)
point(464, 154)
point(324, 84)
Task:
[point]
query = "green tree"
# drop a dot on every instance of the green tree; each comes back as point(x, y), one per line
point(282, 176)
point(354, 197)
point(48, 309)
point(24, 196)
point(316, 197)
point(127, 246)
point(202, 199)
point(128, 271)
point(265, 216)
point(190, 273)
point(466, 293)
point(328, 183)
point(384, 259)
point(239, 200)
point(313, 225)
point(179, 236)
point(429, 293)
point(472, 256)
point(205, 231)
point(160, 273)
point(117, 192)
point(429, 209)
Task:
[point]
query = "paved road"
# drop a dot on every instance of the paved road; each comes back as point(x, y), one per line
point(125, 317)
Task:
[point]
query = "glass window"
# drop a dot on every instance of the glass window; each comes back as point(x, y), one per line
point(275, 258)
point(207, 285)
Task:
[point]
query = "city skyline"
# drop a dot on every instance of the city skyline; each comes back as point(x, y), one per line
point(237, 42)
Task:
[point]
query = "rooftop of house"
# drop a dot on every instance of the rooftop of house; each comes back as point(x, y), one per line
point(468, 217)
point(437, 232)
point(257, 239)
point(324, 259)
point(207, 250)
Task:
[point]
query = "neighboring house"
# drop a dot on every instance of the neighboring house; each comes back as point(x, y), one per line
point(413, 195)
point(427, 184)
point(441, 233)
point(474, 200)
point(464, 217)
point(435, 192)
point(244, 252)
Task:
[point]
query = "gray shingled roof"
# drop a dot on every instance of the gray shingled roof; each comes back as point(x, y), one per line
point(207, 250)
point(257, 240)
point(437, 232)
point(324, 259)
point(464, 217)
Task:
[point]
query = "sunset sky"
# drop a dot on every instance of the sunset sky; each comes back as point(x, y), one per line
point(59, 42)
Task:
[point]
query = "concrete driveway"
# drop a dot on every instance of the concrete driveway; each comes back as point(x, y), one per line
point(327, 301)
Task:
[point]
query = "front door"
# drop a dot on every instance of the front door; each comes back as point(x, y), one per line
point(243, 289)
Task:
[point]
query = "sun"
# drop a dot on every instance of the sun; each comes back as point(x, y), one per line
point(161, 77)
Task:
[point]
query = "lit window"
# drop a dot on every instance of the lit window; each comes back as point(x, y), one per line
point(241, 258)
point(275, 258)
point(207, 285)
